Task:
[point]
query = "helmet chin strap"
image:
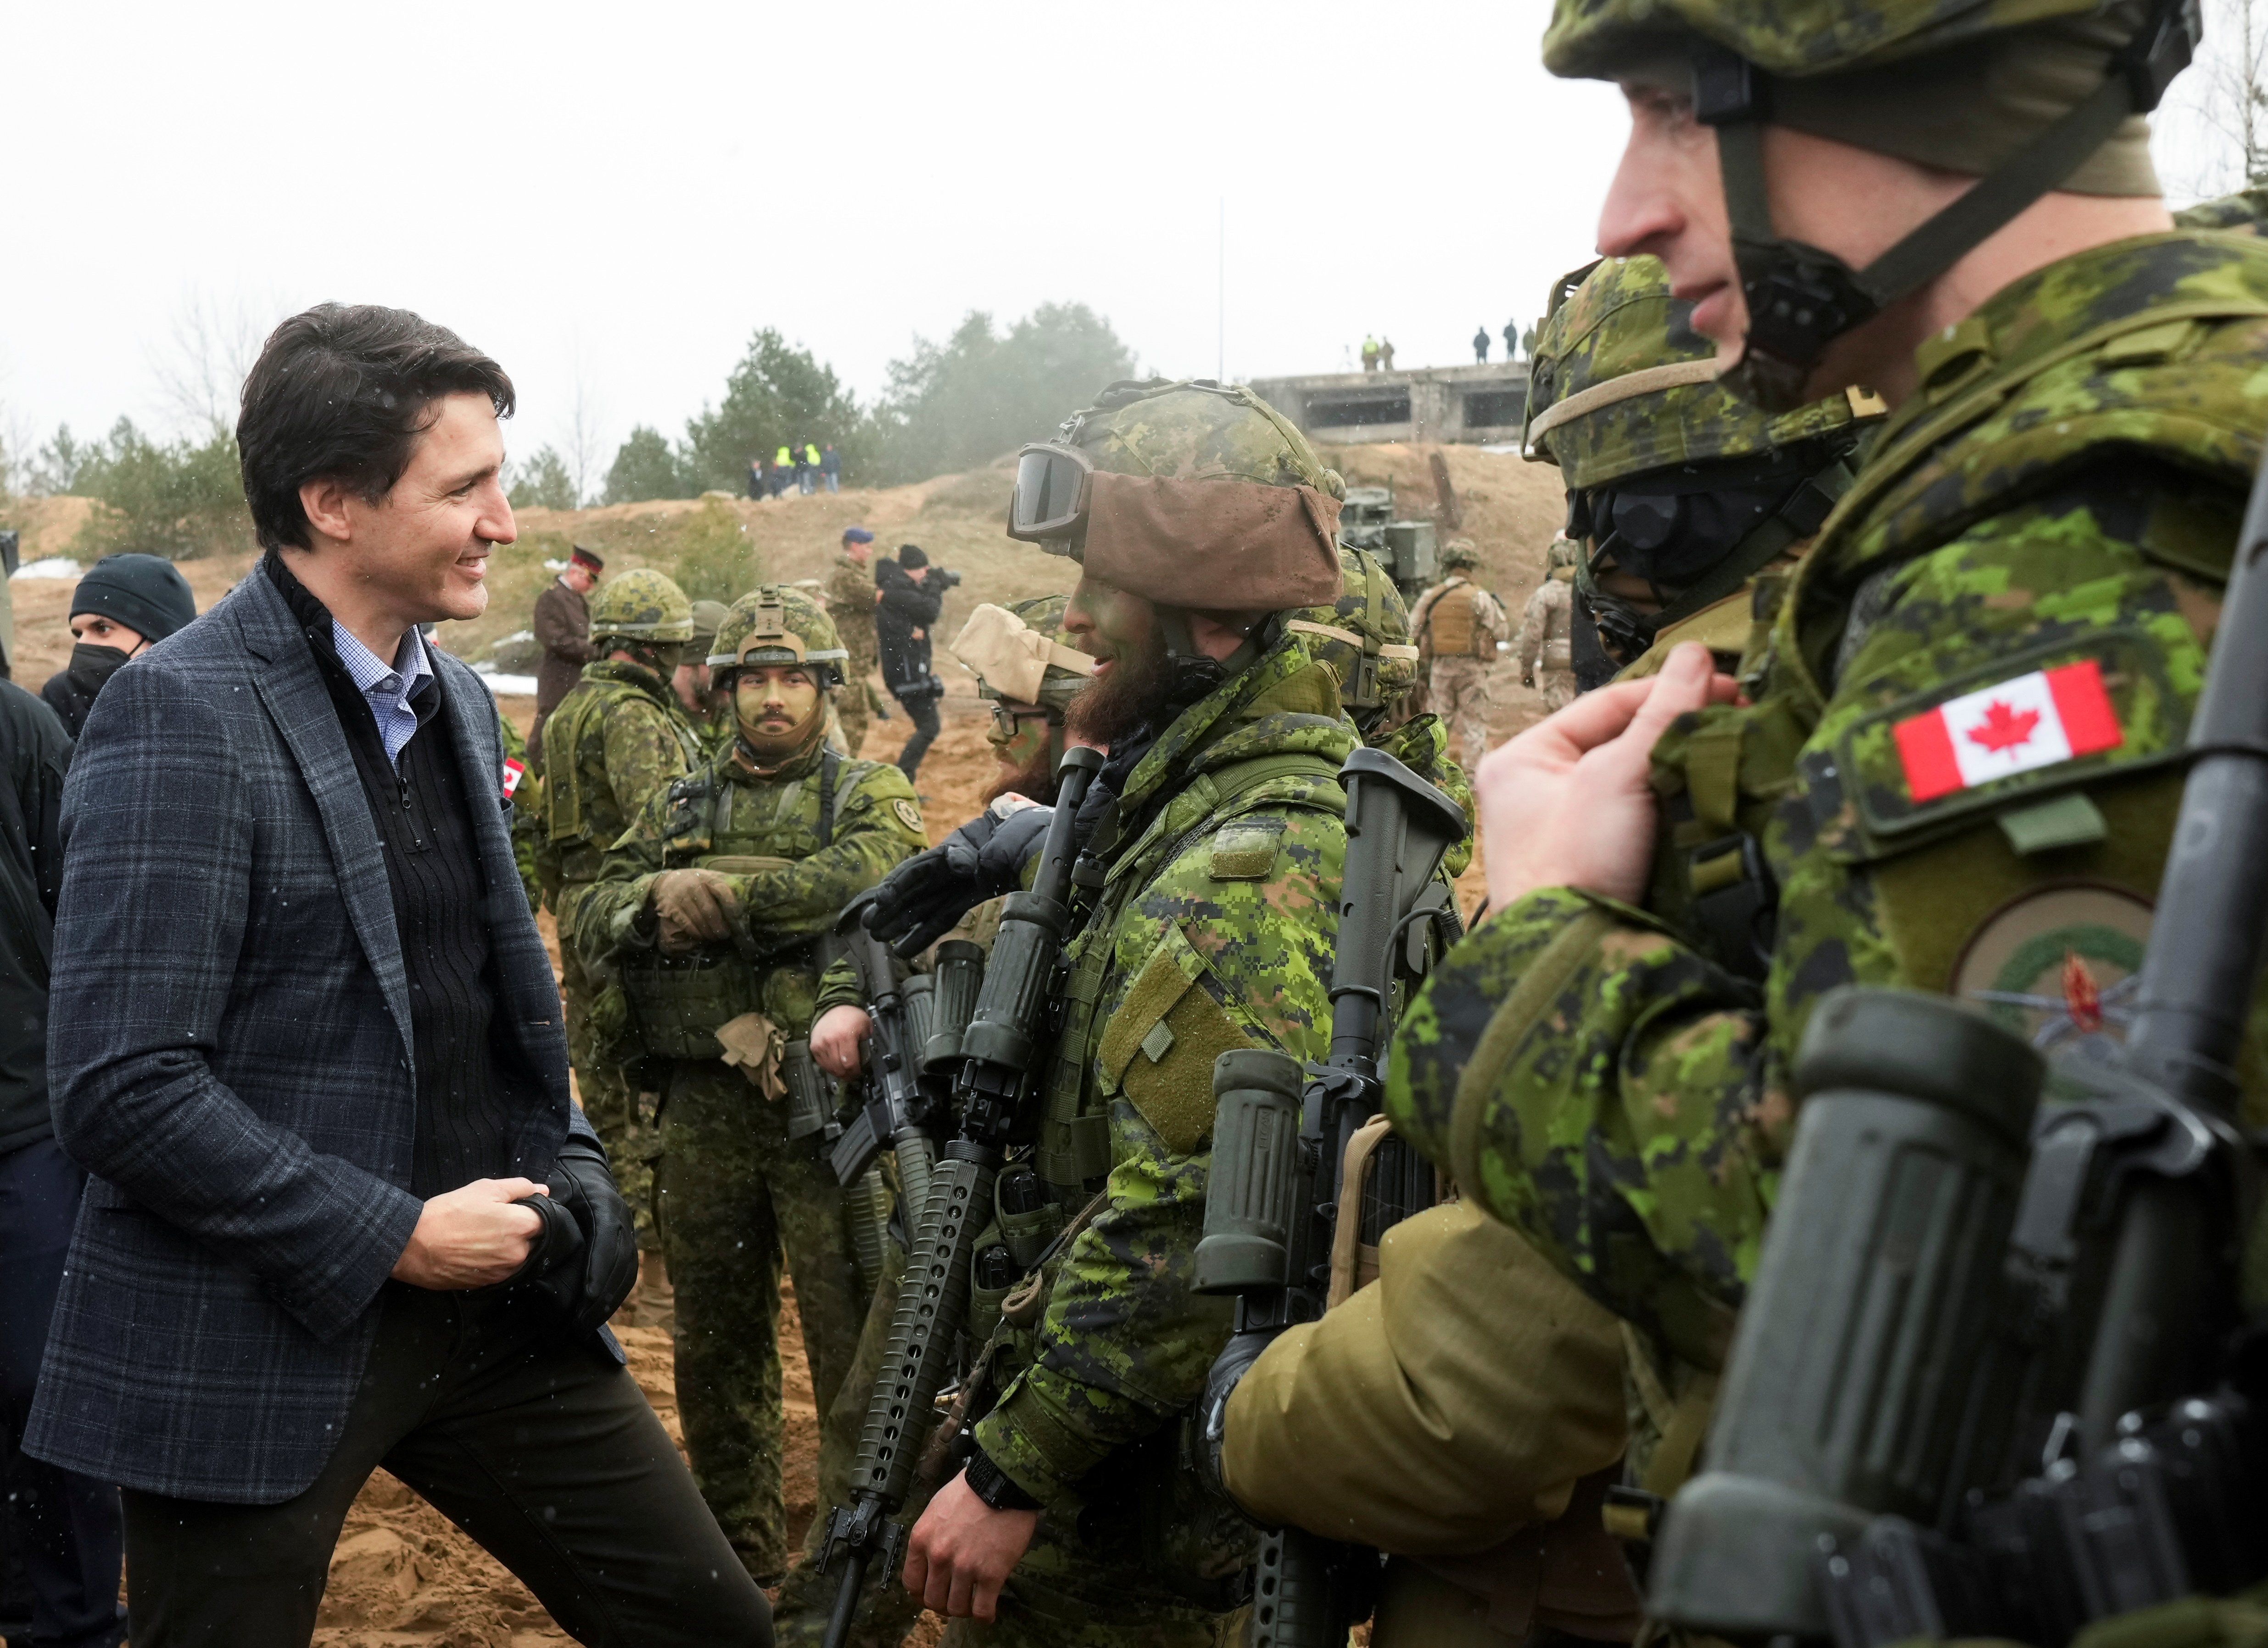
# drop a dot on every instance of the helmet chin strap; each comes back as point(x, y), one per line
point(1193, 673)
point(1800, 298)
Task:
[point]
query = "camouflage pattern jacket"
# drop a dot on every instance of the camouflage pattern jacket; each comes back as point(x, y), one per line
point(615, 743)
point(2060, 497)
point(851, 604)
point(797, 846)
point(1213, 928)
point(525, 791)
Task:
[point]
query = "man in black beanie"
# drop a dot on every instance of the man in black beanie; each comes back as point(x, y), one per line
point(125, 604)
point(910, 597)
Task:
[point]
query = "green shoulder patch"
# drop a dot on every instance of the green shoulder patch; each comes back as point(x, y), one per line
point(2058, 964)
point(1159, 1045)
point(1245, 849)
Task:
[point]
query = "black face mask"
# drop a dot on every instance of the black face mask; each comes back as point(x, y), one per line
point(92, 665)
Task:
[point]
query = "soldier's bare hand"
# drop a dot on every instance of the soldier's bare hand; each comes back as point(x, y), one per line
point(693, 907)
point(1567, 803)
point(471, 1237)
point(836, 1039)
point(962, 1552)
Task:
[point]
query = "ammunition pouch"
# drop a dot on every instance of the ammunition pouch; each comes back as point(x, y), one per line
point(677, 1006)
point(810, 1095)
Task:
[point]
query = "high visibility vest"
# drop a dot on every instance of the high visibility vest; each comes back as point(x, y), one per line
point(811, 456)
point(785, 458)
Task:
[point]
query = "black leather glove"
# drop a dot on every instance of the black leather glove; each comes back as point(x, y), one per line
point(919, 901)
point(1228, 1369)
point(585, 1259)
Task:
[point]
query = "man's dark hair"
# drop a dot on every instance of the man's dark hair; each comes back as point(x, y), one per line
point(341, 393)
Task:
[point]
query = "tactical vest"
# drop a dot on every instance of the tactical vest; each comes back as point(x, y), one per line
point(579, 838)
point(1073, 1153)
point(1933, 476)
point(678, 1004)
point(1456, 629)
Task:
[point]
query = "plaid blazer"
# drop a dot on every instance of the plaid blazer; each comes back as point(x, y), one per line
point(230, 1052)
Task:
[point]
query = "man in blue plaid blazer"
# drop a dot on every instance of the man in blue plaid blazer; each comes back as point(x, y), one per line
point(304, 1035)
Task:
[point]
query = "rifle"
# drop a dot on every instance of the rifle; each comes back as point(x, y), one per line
point(1992, 1379)
point(1281, 1140)
point(999, 1050)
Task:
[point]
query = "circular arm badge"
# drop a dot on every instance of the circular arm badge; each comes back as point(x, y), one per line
point(2059, 964)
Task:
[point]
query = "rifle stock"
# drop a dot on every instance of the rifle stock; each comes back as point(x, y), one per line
point(1000, 1049)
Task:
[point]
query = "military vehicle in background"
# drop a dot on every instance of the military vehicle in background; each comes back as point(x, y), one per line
point(1409, 549)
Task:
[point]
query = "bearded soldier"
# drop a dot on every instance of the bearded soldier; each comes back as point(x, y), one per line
point(616, 739)
point(1688, 507)
point(709, 911)
point(710, 710)
point(1207, 921)
point(1896, 800)
point(1458, 625)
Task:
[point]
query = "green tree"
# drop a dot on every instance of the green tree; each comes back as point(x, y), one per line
point(645, 467)
point(182, 499)
point(543, 483)
point(777, 396)
point(980, 393)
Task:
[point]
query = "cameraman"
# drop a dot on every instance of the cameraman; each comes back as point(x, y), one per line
point(912, 591)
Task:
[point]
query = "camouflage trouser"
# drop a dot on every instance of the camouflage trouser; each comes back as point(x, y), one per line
point(1458, 693)
point(732, 1198)
point(1033, 1614)
point(886, 1612)
point(852, 709)
point(1558, 687)
point(608, 1100)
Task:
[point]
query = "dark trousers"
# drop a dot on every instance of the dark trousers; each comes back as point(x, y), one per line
point(543, 1450)
point(921, 708)
point(63, 1528)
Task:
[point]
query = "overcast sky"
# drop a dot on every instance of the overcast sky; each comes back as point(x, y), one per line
point(626, 192)
point(616, 196)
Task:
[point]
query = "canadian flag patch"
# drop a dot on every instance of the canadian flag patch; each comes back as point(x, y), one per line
point(2020, 726)
point(513, 771)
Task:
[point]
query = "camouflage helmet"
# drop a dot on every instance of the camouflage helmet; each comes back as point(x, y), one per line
point(1197, 429)
point(1620, 384)
point(777, 624)
point(1898, 76)
point(708, 617)
point(643, 605)
point(1364, 637)
point(1460, 552)
point(1002, 646)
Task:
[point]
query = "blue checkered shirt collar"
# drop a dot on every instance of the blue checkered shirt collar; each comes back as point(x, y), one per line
point(386, 687)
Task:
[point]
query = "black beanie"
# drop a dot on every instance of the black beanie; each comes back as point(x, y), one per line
point(145, 593)
point(910, 555)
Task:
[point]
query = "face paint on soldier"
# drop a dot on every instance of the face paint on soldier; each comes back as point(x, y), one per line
point(1120, 631)
point(773, 701)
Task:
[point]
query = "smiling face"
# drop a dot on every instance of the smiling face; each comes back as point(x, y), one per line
point(772, 701)
point(93, 630)
point(420, 554)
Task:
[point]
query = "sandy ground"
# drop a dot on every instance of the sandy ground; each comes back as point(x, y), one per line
point(402, 1576)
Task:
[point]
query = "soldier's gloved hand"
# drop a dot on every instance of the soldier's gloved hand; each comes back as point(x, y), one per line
point(1228, 1369)
point(586, 1260)
point(692, 907)
point(919, 901)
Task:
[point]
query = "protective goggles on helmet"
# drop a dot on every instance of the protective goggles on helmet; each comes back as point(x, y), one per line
point(1053, 486)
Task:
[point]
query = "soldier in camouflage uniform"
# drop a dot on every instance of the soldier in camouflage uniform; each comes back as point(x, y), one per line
point(1685, 500)
point(1364, 638)
point(525, 791)
point(851, 597)
point(2076, 419)
point(1207, 923)
point(707, 912)
point(616, 739)
point(1544, 647)
point(1458, 625)
point(709, 710)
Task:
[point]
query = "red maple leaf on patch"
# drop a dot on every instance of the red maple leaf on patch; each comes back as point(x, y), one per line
point(2004, 728)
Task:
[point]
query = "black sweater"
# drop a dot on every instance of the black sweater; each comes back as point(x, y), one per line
point(906, 606)
point(470, 1082)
